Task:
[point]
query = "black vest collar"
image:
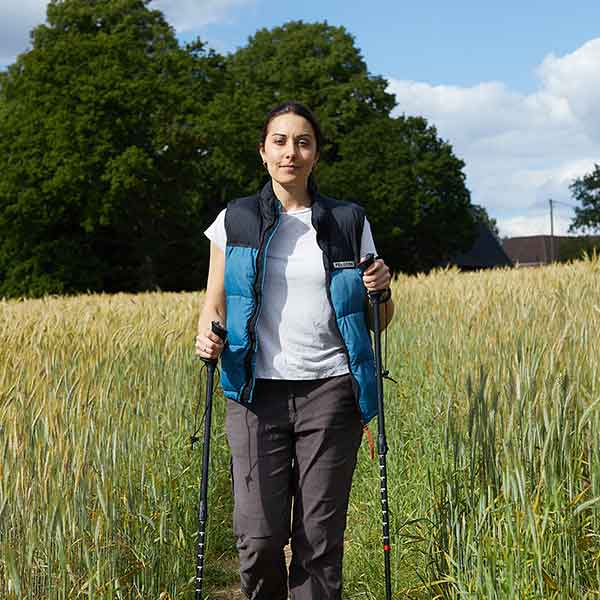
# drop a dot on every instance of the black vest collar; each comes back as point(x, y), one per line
point(270, 204)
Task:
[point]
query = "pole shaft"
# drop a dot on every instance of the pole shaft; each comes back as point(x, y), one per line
point(203, 499)
point(382, 448)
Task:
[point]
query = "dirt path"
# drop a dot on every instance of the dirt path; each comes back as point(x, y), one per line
point(235, 593)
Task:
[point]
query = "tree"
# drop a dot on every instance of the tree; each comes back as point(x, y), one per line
point(481, 215)
point(315, 63)
point(412, 187)
point(100, 152)
point(586, 191)
point(408, 179)
point(117, 146)
point(576, 247)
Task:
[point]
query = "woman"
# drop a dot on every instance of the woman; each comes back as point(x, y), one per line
point(297, 367)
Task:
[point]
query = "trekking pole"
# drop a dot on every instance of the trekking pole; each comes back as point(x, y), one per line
point(211, 365)
point(382, 447)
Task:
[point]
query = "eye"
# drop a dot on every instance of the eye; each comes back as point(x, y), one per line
point(304, 142)
point(279, 141)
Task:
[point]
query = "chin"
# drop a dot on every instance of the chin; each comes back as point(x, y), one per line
point(290, 181)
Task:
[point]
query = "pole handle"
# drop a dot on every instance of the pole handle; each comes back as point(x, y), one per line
point(376, 296)
point(219, 330)
point(363, 265)
point(366, 262)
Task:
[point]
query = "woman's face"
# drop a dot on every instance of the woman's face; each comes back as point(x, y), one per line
point(290, 150)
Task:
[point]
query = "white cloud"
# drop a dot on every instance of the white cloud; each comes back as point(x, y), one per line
point(576, 78)
point(519, 149)
point(533, 225)
point(17, 19)
point(189, 15)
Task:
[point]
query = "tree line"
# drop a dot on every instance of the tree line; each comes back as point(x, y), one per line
point(119, 145)
point(586, 191)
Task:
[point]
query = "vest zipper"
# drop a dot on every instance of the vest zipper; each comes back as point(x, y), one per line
point(261, 265)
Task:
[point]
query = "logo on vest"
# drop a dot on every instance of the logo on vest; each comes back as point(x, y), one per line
point(344, 264)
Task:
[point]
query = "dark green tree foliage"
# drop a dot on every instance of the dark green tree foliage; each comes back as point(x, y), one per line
point(575, 248)
point(100, 154)
point(409, 181)
point(481, 215)
point(412, 187)
point(586, 191)
point(118, 147)
point(314, 63)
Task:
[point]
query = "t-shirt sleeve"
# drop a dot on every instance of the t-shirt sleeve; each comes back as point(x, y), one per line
point(216, 232)
point(367, 245)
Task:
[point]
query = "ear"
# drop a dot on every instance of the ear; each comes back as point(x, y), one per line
point(261, 151)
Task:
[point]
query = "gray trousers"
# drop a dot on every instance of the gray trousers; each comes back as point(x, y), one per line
point(293, 457)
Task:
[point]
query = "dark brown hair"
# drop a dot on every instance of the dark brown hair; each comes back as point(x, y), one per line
point(297, 108)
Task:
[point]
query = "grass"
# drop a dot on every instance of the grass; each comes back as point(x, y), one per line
point(493, 428)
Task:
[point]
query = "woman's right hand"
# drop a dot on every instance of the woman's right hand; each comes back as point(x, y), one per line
point(209, 345)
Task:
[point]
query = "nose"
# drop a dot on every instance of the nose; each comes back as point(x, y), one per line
point(290, 149)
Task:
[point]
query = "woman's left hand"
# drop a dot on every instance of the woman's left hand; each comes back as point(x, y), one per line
point(377, 277)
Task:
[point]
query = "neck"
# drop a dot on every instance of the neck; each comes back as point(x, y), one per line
point(292, 198)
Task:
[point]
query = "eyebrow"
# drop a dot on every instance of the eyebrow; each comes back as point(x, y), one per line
point(305, 134)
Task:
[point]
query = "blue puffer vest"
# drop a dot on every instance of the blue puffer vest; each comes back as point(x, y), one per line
point(250, 224)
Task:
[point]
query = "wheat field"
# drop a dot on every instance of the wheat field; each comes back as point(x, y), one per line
point(493, 428)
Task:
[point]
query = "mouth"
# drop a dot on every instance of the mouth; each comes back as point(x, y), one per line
point(288, 166)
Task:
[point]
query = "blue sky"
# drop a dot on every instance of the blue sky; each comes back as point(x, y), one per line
point(513, 86)
point(459, 43)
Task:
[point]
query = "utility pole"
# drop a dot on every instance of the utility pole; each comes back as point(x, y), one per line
point(553, 251)
point(551, 230)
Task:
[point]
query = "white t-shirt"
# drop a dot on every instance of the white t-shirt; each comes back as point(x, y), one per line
point(296, 331)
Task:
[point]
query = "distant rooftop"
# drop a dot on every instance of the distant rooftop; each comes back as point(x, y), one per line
point(486, 252)
point(534, 250)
